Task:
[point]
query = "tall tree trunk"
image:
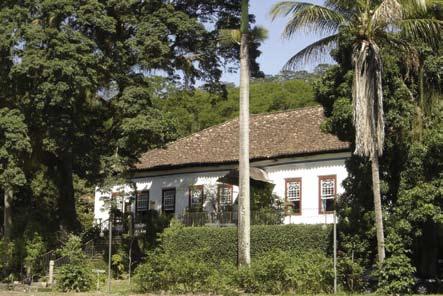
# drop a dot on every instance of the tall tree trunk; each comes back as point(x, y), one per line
point(7, 214)
point(244, 214)
point(369, 124)
point(68, 211)
point(378, 208)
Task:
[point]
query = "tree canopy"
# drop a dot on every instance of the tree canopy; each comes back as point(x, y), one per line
point(77, 81)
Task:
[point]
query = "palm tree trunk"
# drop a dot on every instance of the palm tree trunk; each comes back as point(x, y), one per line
point(369, 122)
point(244, 219)
point(378, 208)
point(7, 213)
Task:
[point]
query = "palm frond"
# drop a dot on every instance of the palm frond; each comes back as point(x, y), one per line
point(314, 52)
point(345, 7)
point(314, 18)
point(259, 34)
point(424, 30)
point(415, 8)
point(388, 12)
point(229, 36)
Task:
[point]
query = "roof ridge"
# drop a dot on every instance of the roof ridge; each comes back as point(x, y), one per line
point(287, 111)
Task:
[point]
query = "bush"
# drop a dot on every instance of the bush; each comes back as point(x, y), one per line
point(6, 254)
point(215, 245)
point(203, 259)
point(34, 248)
point(396, 275)
point(267, 216)
point(278, 272)
point(274, 272)
point(350, 274)
point(181, 274)
point(74, 278)
point(72, 250)
point(77, 275)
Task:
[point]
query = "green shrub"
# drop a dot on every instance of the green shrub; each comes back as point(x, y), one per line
point(74, 278)
point(77, 276)
point(72, 249)
point(396, 275)
point(215, 245)
point(181, 274)
point(203, 259)
point(118, 264)
point(267, 216)
point(350, 274)
point(278, 272)
point(6, 255)
point(34, 248)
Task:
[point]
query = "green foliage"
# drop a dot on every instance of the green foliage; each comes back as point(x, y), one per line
point(267, 209)
point(350, 274)
point(6, 255)
point(195, 110)
point(77, 275)
point(273, 272)
point(220, 244)
point(119, 263)
point(410, 168)
point(15, 147)
point(268, 216)
point(34, 248)
point(183, 273)
point(156, 222)
point(278, 272)
point(73, 251)
point(74, 278)
point(396, 275)
point(76, 86)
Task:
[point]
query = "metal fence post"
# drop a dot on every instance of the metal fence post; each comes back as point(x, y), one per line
point(335, 252)
point(110, 254)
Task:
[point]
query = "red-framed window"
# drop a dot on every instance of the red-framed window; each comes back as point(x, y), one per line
point(327, 191)
point(293, 196)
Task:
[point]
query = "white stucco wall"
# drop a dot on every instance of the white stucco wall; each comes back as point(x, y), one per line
point(309, 172)
point(307, 168)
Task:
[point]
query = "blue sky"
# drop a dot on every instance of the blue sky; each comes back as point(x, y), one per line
point(275, 50)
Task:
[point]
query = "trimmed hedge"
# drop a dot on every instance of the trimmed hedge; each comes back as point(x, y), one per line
point(220, 244)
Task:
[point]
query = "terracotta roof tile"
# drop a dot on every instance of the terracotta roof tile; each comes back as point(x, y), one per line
point(279, 134)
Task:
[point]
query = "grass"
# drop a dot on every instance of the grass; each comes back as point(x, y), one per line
point(118, 288)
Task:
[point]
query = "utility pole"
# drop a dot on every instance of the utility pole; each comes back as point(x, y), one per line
point(110, 253)
point(130, 260)
point(335, 251)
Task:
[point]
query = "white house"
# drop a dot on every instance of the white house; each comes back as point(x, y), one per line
point(306, 165)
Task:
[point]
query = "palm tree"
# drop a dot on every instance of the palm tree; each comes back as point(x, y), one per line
point(369, 23)
point(244, 211)
point(243, 37)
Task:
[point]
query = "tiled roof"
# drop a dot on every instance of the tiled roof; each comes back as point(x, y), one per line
point(272, 135)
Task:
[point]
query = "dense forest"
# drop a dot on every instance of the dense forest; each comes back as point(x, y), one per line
point(76, 100)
